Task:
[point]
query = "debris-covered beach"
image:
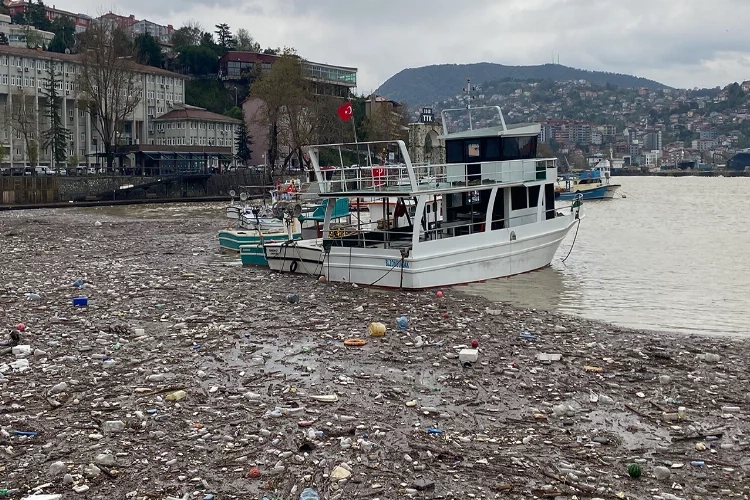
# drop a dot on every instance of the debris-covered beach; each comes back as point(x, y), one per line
point(183, 375)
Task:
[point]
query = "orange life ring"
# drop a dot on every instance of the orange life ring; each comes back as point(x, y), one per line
point(354, 342)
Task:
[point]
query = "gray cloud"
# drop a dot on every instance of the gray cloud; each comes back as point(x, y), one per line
point(683, 43)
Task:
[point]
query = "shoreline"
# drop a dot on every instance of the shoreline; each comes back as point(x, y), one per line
point(510, 424)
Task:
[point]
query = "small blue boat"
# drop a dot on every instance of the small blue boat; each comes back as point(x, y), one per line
point(592, 184)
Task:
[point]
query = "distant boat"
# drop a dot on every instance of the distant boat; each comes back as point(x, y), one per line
point(593, 184)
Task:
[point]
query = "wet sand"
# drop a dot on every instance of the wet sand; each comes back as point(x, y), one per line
point(166, 312)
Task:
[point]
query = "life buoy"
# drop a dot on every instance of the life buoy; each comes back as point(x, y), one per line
point(354, 342)
point(293, 266)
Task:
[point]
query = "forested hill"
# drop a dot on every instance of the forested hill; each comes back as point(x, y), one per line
point(431, 84)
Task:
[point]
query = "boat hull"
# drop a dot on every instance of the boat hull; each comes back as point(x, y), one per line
point(233, 211)
point(599, 193)
point(301, 257)
point(232, 239)
point(452, 261)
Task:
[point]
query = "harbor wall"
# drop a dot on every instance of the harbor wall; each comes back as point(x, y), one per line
point(36, 190)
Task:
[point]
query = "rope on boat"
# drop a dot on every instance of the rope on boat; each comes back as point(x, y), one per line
point(401, 262)
point(576, 204)
point(574, 241)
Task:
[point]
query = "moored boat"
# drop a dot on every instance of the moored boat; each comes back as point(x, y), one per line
point(591, 184)
point(496, 214)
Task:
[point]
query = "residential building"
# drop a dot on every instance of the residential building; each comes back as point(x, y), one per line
point(136, 27)
point(189, 125)
point(375, 101)
point(652, 140)
point(337, 81)
point(651, 159)
point(704, 144)
point(253, 108)
point(580, 133)
point(82, 21)
point(634, 149)
point(18, 34)
point(608, 130)
point(708, 133)
point(24, 71)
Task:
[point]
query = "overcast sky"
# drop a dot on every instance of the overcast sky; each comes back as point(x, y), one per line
point(681, 43)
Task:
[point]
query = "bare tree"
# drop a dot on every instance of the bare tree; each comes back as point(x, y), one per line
point(245, 41)
point(109, 87)
point(22, 117)
point(387, 121)
point(296, 117)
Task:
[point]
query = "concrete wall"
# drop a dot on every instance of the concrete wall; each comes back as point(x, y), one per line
point(40, 189)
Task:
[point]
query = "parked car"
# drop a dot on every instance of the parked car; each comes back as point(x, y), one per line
point(43, 170)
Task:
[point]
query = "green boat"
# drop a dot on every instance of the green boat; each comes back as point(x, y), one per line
point(249, 242)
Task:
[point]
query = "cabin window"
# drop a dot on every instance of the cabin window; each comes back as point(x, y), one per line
point(492, 149)
point(510, 148)
point(472, 150)
point(519, 148)
point(527, 147)
point(518, 198)
point(534, 196)
point(498, 211)
point(549, 201)
point(454, 151)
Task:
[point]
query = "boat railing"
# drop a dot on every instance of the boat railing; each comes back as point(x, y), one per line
point(397, 178)
point(385, 167)
point(378, 235)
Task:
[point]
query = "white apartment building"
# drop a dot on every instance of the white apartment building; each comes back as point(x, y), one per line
point(25, 72)
point(17, 33)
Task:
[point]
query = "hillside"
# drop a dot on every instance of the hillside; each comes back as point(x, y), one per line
point(431, 84)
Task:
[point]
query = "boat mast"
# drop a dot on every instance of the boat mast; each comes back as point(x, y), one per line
point(468, 90)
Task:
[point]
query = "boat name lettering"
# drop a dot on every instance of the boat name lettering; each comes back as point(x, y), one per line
point(396, 263)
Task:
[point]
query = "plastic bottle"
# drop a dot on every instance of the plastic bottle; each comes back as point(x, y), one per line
point(9, 493)
point(176, 396)
point(697, 463)
point(309, 494)
point(403, 322)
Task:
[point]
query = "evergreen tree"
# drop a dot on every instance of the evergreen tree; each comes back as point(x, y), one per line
point(57, 137)
point(148, 50)
point(243, 142)
point(225, 39)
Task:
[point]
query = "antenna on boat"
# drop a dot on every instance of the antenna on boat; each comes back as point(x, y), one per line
point(469, 97)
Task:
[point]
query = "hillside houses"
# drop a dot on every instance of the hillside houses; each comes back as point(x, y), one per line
point(664, 127)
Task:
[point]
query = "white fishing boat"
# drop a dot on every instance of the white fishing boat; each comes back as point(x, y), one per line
point(496, 214)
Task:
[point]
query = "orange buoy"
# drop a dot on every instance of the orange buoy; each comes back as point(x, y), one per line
point(354, 342)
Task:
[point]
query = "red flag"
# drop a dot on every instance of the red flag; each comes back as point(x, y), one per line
point(377, 175)
point(345, 111)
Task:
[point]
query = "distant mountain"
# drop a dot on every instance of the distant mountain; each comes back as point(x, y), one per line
point(431, 84)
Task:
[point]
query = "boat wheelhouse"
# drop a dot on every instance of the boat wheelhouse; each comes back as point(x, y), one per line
point(491, 210)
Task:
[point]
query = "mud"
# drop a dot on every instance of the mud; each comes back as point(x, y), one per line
point(409, 420)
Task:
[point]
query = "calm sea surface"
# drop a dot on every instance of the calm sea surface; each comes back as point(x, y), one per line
point(674, 255)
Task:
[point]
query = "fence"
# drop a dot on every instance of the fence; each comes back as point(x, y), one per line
point(28, 190)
